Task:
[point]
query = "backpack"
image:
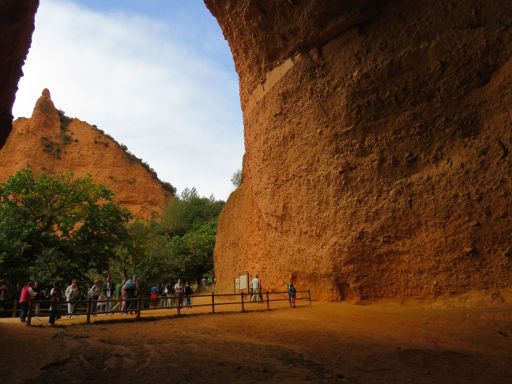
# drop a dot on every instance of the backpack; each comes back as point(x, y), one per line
point(129, 285)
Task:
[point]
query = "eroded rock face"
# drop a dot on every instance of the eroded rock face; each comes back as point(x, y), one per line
point(377, 138)
point(16, 27)
point(53, 144)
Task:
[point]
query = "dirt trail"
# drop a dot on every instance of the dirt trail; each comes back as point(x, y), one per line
point(324, 343)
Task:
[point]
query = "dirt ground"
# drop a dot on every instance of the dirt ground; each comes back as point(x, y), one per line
point(322, 343)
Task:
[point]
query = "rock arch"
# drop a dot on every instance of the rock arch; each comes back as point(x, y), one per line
point(377, 138)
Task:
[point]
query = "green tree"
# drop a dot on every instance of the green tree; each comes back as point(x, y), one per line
point(179, 246)
point(57, 227)
point(236, 179)
point(184, 214)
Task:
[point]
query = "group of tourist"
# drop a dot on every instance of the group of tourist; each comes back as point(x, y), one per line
point(105, 297)
point(108, 297)
point(173, 294)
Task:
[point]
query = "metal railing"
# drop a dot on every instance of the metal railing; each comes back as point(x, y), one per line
point(137, 305)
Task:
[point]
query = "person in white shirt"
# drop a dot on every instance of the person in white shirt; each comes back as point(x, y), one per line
point(72, 295)
point(178, 291)
point(255, 289)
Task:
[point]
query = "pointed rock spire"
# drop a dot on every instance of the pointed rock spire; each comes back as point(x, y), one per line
point(45, 116)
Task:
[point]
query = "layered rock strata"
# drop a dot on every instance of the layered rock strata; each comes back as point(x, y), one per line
point(378, 138)
point(51, 143)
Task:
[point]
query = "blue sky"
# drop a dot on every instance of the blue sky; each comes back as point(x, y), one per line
point(157, 75)
point(188, 19)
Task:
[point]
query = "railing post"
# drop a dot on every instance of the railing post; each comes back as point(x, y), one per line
point(29, 319)
point(213, 302)
point(242, 296)
point(138, 308)
point(89, 307)
point(14, 305)
point(268, 302)
point(309, 295)
point(178, 306)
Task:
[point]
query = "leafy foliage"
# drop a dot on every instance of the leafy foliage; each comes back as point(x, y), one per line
point(57, 227)
point(236, 179)
point(64, 228)
point(180, 245)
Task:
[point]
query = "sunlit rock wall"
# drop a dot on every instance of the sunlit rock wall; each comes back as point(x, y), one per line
point(377, 138)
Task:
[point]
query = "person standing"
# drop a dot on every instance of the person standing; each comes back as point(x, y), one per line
point(102, 302)
point(153, 298)
point(55, 298)
point(260, 288)
point(3, 294)
point(94, 294)
point(118, 295)
point(123, 296)
point(130, 288)
point(172, 295)
point(292, 294)
point(167, 293)
point(188, 292)
point(255, 284)
point(178, 291)
point(72, 295)
point(40, 294)
point(109, 293)
point(27, 294)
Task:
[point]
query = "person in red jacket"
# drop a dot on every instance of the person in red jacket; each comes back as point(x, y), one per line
point(27, 294)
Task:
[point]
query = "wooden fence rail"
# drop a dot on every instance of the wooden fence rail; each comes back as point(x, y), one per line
point(136, 305)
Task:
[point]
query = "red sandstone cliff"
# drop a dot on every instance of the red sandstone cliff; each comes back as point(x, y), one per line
point(377, 138)
point(51, 143)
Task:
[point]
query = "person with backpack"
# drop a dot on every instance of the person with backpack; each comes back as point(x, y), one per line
point(153, 298)
point(130, 288)
point(55, 298)
point(292, 294)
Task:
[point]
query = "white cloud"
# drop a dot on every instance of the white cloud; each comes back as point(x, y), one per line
point(172, 106)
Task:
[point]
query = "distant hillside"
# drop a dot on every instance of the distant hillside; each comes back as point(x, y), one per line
point(50, 142)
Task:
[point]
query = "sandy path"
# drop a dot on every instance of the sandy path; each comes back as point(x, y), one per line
point(324, 343)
